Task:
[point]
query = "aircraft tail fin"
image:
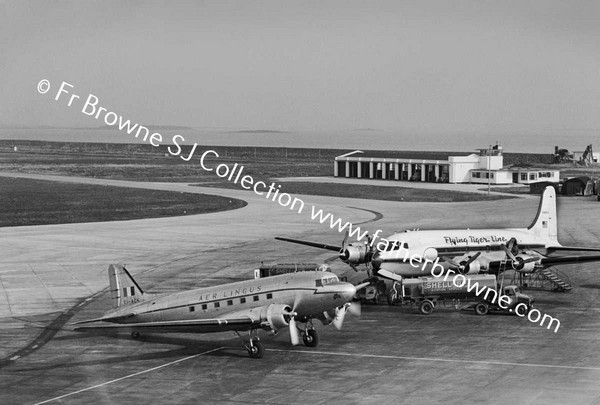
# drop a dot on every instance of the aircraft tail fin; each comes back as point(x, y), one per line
point(123, 288)
point(545, 224)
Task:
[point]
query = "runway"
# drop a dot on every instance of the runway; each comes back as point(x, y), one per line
point(389, 355)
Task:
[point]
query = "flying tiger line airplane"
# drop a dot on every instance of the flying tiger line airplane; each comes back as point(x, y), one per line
point(270, 303)
point(464, 250)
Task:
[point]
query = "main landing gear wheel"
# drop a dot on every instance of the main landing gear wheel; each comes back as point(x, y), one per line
point(426, 307)
point(255, 349)
point(310, 338)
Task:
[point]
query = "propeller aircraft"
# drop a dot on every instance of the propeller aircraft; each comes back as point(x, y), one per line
point(466, 251)
point(270, 303)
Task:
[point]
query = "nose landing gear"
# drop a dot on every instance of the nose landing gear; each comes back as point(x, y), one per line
point(309, 335)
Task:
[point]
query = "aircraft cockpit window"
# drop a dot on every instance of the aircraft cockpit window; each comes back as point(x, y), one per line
point(395, 245)
point(390, 246)
point(327, 280)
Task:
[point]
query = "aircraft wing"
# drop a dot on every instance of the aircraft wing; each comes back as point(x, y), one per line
point(553, 261)
point(572, 249)
point(180, 326)
point(313, 244)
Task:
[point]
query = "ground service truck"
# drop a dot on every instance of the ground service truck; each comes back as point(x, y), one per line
point(479, 292)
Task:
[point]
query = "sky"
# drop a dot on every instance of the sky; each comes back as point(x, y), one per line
point(419, 66)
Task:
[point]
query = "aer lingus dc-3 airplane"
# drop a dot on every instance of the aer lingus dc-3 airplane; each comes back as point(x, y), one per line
point(415, 253)
point(270, 303)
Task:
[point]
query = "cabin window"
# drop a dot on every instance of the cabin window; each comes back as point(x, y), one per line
point(230, 302)
point(192, 309)
point(523, 176)
point(255, 298)
point(132, 290)
point(395, 245)
point(124, 291)
point(318, 283)
point(217, 304)
point(269, 296)
point(204, 307)
point(242, 300)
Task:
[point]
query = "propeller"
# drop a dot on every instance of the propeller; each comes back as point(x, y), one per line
point(517, 262)
point(294, 335)
point(340, 313)
point(462, 266)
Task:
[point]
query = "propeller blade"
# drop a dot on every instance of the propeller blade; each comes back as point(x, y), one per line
point(511, 245)
point(472, 259)
point(355, 308)
point(450, 261)
point(297, 300)
point(294, 337)
point(340, 313)
point(509, 253)
point(345, 241)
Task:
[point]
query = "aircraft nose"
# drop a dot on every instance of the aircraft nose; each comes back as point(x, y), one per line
point(348, 291)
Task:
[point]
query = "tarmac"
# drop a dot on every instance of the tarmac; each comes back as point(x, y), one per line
point(53, 275)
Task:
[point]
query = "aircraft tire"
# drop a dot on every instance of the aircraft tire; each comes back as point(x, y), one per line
point(257, 350)
point(426, 307)
point(310, 338)
point(481, 309)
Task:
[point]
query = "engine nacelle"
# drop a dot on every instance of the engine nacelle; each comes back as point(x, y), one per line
point(356, 253)
point(519, 264)
point(474, 268)
point(277, 315)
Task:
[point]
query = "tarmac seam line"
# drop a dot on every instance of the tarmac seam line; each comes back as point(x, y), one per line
point(380, 356)
point(128, 376)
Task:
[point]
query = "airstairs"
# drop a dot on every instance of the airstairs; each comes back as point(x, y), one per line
point(543, 279)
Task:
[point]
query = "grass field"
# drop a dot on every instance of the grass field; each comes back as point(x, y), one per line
point(28, 202)
point(37, 202)
point(408, 194)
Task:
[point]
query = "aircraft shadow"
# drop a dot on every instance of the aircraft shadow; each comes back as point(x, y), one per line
point(231, 348)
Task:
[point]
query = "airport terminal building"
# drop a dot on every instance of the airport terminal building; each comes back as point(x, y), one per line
point(483, 167)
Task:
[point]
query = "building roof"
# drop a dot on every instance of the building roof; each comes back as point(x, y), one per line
point(416, 155)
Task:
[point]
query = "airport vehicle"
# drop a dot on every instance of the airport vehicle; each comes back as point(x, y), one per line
point(478, 291)
point(375, 291)
point(271, 303)
point(466, 251)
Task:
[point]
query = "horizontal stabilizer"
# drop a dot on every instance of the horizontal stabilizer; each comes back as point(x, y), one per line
point(104, 319)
